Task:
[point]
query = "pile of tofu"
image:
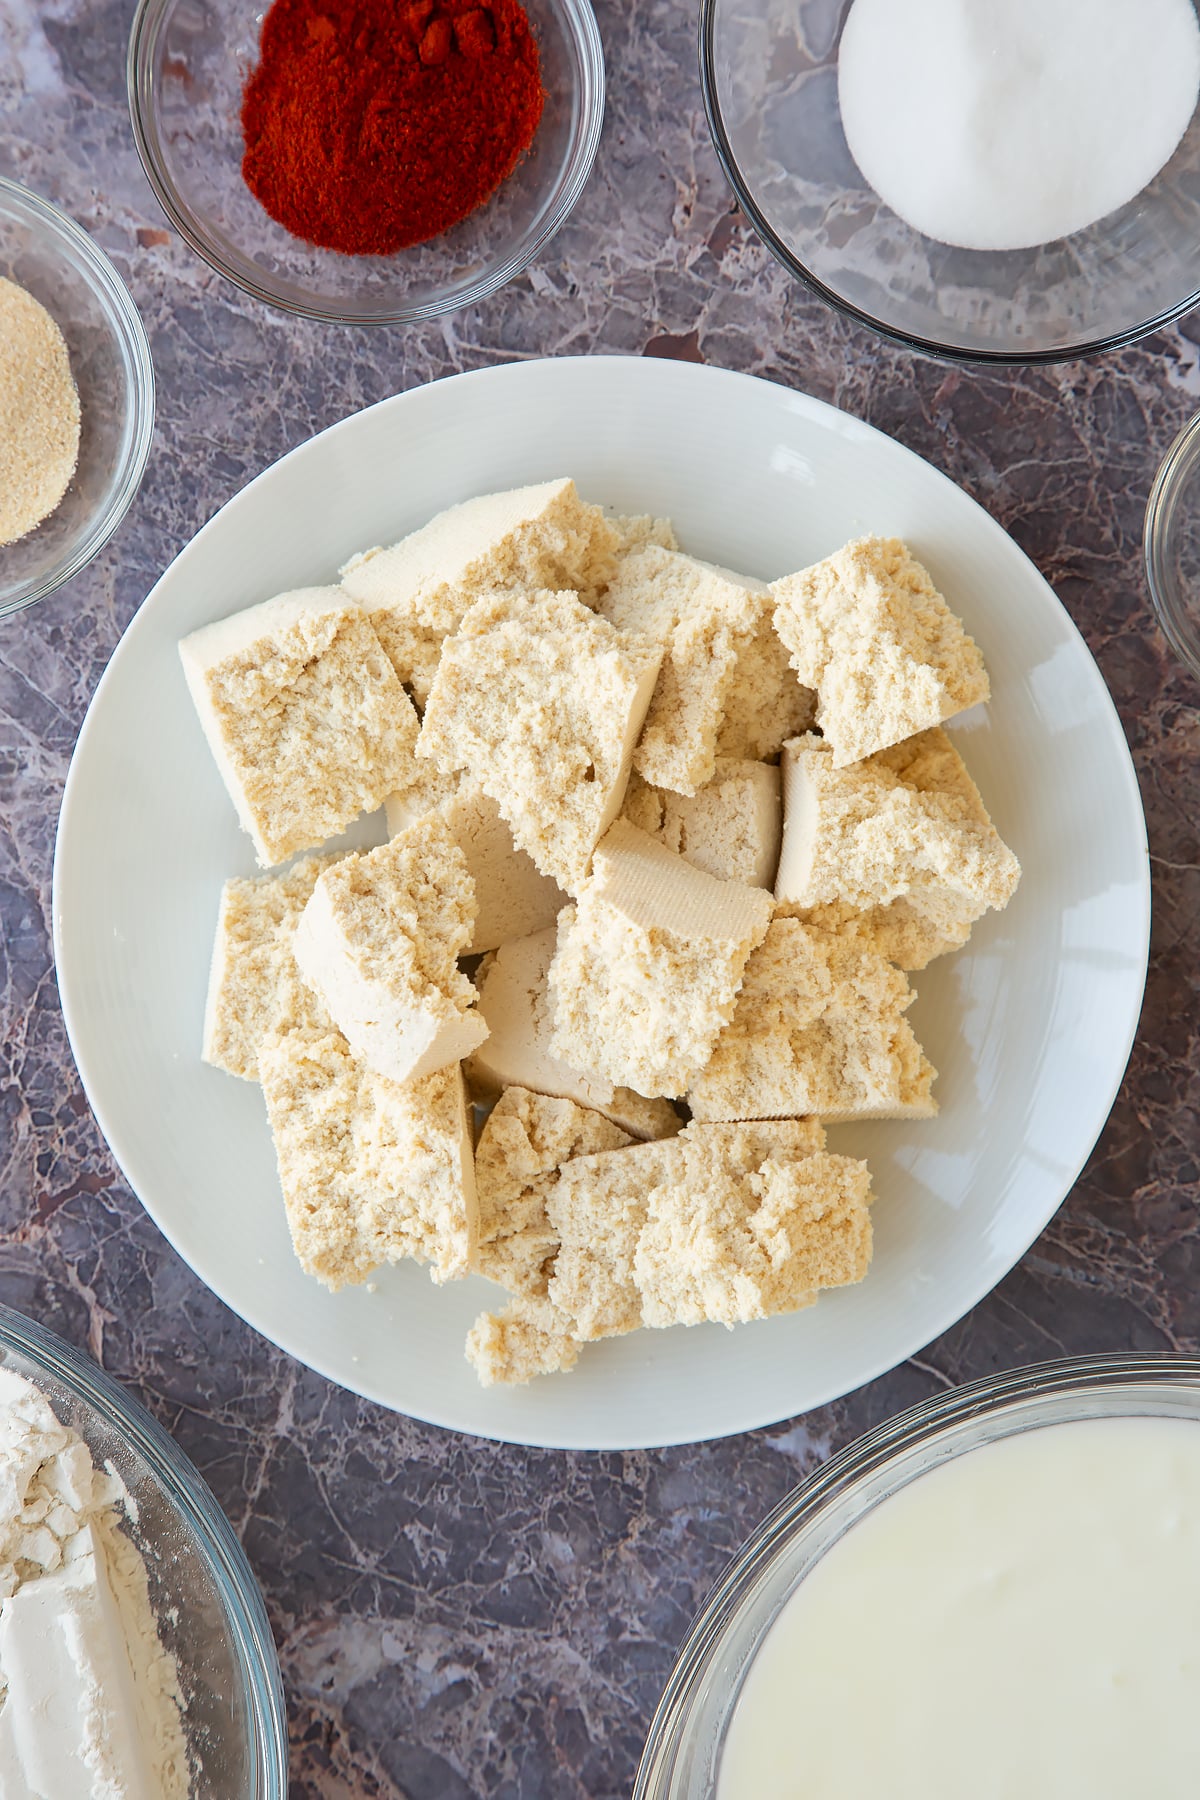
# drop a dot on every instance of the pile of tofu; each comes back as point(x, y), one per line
point(665, 844)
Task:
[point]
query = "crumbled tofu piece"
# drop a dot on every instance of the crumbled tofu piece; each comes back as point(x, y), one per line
point(730, 828)
point(602, 1206)
point(649, 963)
point(752, 1246)
point(304, 715)
point(704, 622)
point(424, 795)
point(512, 897)
point(379, 941)
point(515, 1002)
point(726, 1223)
point(372, 1170)
point(646, 1120)
point(850, 835)
point(255, 990)
point(524, 1141)
point(542, 702)
point(528, 1337)
point(765, 704)
point(597, 1211)
point(906, 824)
point(532, 537)
point(912, 938)
point(635, 531)
point(868, 629)
point(899, 932)
point(930, 765)
point(818, 1028)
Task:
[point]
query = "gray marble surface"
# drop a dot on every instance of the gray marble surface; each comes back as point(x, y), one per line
point(455, 1618)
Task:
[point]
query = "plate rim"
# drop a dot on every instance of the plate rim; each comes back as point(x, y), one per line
point(823, 1393)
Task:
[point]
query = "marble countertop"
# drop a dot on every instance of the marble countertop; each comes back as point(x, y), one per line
point(457, 1618)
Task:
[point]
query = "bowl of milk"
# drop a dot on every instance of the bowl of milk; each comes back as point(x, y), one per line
point(991, 183)
point(996, 1593)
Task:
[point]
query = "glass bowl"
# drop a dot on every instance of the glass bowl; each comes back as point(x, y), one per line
point(769, 73)
point(1171, 544)
point(188, 63)
point(688, 1730)
point(44, 251)
point(210, 1612)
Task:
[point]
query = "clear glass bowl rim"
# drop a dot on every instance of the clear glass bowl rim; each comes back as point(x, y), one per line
point(744, 196)
point(140, 366)
point(1178, 465)
point(139, 67)
point(1004, 1393)
point(190, 1494)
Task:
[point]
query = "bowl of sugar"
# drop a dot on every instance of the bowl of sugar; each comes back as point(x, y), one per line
point(1007, 184)
point(996, 1593)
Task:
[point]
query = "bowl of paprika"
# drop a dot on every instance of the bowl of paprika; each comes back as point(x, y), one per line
point(367, 161)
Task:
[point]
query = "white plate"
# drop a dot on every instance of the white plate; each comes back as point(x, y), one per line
point(1031, 1025)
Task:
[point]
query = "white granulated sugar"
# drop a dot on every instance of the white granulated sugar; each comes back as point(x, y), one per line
point(1000, 126)
point(89, 1699)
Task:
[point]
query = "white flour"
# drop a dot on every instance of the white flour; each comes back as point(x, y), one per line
point(1001, 124)
point(89, 1699)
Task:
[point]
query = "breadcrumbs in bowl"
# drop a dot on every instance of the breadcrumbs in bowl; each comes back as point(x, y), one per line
point(53, 261)
point(39, 414)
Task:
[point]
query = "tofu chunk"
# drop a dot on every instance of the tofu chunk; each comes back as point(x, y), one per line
point(818, 1028)
point(600, 1209)
point(255, 990)
point(372, 1171)
point(515, 1002)
point(528, 1337)
point(649, 963)
point(378, 942)
point(888, 658)
point(418, 591)
point(765, 704)
point(703, 621)
point(730, 828)
point(524, 1142)
point(304, 714)
point(752, 1246)
point(902, 837)
point(542, 703)
point(724, 1223)
point(513, 898)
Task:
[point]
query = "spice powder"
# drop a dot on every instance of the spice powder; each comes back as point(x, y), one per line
point(370, 126)
point(39, 413)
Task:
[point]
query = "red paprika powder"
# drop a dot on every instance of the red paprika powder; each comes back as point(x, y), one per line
point(372, 124)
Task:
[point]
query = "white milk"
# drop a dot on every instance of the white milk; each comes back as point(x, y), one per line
point(1020, 1624)
point(1000, 124)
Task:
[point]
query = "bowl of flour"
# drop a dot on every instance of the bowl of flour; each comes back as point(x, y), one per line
point(136, 1660)
point(1016, 183)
